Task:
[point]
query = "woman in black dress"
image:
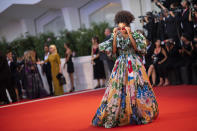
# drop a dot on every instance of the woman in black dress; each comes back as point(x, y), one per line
point(70, 65)
point(98, 67)
point(159, 63)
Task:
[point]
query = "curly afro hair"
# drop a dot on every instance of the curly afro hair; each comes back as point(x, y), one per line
point(124, 17)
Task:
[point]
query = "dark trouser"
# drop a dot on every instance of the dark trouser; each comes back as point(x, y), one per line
point(11, 91)
point(47, 70)
point(110, 64)
point(188, 65)
point(49, 80)
point(181, 64)
point(19, 88)
point(3, 95)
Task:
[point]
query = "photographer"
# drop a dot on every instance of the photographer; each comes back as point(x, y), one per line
point(148, 61)
point(186, 55)
point(194, 57)
point(187, 24)
point(193, 16)
point(173, 55)
point(149, 26)
point(172, 22)
point(161, 27)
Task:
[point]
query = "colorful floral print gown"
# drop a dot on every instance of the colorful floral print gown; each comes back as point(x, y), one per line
point(129, 97)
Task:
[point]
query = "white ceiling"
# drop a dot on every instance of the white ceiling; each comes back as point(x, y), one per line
point(19, 11)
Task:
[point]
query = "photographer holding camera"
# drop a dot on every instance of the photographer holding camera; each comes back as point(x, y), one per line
point(193, 16)
point(148, 23)
point(186, 23)
point(171, 21)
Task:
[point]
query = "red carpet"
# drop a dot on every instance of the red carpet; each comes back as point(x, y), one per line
point(177, 104)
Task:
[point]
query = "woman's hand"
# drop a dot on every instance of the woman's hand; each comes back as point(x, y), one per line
point(60, 71)
point(92, 59)
point(39, 63)
point(115, 31)
point(128, 29)
point(32, 68)
point(64, 65)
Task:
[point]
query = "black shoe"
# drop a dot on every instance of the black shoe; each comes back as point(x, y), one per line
point(4, 103)
point(103, 86)
point(97, 87)
point(72, 90)
point(51, 94)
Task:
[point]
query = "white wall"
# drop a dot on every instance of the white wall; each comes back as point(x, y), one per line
point(72, 18)
point(46, 18)
point(137, 8)
point(106, 13)
point(90, 8)
point(12, 30)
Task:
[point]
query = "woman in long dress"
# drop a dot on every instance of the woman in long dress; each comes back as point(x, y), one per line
point(129, 97)
point(55, 62)
point(32, 79)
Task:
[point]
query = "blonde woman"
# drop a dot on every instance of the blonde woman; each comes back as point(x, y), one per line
point(54, 60)
point(32, 79)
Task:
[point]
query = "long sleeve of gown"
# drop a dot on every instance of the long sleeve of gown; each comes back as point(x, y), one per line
point(140, 42)
point(139, 38)
point(107, 45)
point(58, 59)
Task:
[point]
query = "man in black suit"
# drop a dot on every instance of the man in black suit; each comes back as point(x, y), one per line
point(172, 29)
point(149, 25)
point(12, 63)
point(106, 58)
point(46, 68)
point(6, 81)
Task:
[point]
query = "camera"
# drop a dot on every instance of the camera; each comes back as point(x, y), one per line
point(150, 16)
point(169, 42)
point(142, 18)
point(175, 10)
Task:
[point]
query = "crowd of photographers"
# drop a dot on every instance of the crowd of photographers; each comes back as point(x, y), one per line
point(172, 42)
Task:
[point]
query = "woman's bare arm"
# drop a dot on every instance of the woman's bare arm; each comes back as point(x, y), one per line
point(165, 56)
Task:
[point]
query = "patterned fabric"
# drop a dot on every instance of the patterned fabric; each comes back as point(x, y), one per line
point(129, 97)
point(33, 81)
point(124, 44)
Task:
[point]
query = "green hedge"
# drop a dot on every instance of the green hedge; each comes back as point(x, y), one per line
point(80, 41)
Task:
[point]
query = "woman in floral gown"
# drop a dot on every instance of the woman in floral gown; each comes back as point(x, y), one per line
point(129, 97)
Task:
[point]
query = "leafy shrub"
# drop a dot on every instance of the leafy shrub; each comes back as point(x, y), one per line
point(80, 41)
